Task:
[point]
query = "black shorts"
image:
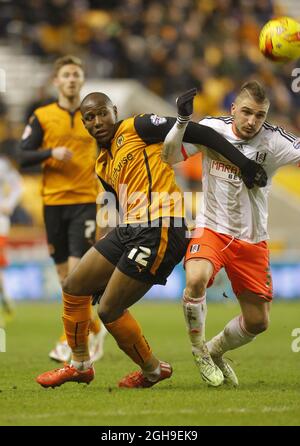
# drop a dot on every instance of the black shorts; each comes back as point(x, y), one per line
point(70, 229)
point(148, 254)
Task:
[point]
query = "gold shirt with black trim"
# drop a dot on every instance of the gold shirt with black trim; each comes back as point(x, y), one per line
point(70, 182)
point(132, 169)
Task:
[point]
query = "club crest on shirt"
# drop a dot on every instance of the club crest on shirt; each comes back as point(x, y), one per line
point(120, 141)
point(261, 157)
point(157, 120)
point(194, 248)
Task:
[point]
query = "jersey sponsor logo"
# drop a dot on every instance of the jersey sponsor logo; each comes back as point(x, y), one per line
point(261, 157)
point(120, 165)
point(296, 144)
point(27, 132)
point(120, 141)
point(226, 171)
point(157, 120)
point(194, 248)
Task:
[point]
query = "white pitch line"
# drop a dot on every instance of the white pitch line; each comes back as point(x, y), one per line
point(118, 413)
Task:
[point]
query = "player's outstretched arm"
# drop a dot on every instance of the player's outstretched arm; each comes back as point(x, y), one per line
point(191, 132)
point(171, 152)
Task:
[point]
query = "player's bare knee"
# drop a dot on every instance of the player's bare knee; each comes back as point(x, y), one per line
point(109, 313)
point(106, 313)
point(263, 325)
point(257, 327)
point(74, 287)
point(67, 286)
point(195, 287)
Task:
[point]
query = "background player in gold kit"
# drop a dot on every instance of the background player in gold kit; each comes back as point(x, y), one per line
point(144, 249)
point(56, 137)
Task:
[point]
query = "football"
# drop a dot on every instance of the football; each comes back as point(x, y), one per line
point(279, 39)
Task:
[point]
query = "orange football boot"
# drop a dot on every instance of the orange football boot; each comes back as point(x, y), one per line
point(57, 377)
point(138, 380)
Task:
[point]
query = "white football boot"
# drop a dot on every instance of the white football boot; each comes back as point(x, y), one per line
point(215, 349)
point(61, 352)
point(96, 342)
point(228, 372)
point(209, 371)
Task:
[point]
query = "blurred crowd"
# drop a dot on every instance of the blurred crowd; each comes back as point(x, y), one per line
point(168, 45)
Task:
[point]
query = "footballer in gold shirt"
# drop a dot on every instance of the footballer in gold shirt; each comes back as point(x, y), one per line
point(55, 137)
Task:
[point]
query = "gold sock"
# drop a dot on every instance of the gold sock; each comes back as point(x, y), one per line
point(128, 334)
point(95, 327)
point(77, 317)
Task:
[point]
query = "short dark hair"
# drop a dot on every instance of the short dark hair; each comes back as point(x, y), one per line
point(66, 60)
point(96, 95)
point(254, 89)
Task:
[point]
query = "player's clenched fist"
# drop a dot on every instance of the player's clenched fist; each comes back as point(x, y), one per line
point(185, 102)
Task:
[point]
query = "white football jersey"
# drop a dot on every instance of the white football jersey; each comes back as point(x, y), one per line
point(229, 207)
point(10, 191)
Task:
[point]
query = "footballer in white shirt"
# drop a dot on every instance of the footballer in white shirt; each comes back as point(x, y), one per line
point(231, 229)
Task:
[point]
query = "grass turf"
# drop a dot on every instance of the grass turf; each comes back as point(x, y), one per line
point(269, 373)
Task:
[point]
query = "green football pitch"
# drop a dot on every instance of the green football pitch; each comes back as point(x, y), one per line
point(268, 370)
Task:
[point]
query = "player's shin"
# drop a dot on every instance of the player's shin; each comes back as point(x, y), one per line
point(95, 327)
point(195, 311)
point(233, 336)
point(76, 317)
point(129, 337)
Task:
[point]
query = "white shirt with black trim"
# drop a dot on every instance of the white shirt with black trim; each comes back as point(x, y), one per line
point(229, 207)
